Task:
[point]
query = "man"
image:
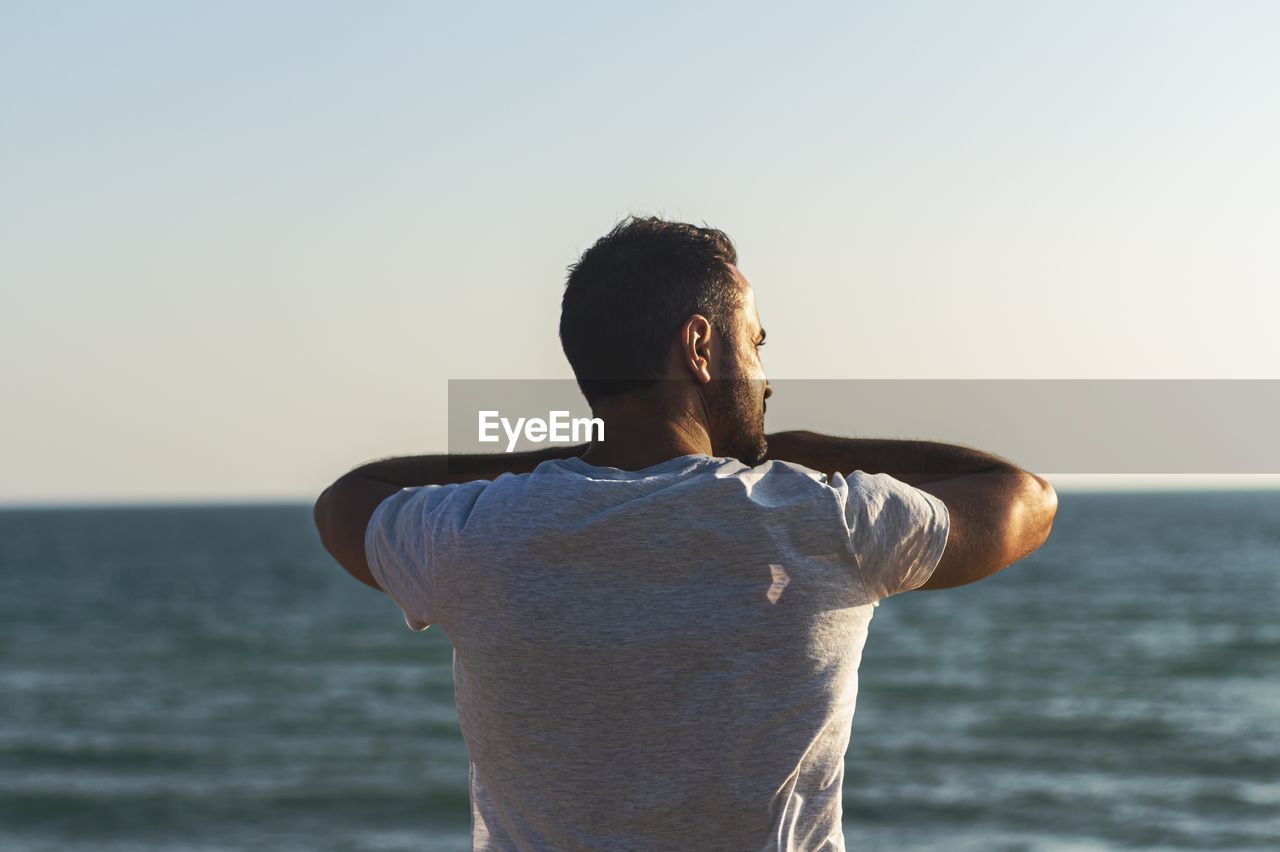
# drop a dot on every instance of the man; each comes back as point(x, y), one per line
point(656, 637)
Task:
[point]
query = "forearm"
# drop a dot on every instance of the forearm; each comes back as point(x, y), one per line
point(913, 462)
point(442, 469)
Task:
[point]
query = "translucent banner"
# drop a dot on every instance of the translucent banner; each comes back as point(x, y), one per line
point(1052, 426)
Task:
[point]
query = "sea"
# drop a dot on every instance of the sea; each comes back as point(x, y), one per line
point(207, 678)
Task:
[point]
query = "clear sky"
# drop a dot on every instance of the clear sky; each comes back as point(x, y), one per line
point(243, 246)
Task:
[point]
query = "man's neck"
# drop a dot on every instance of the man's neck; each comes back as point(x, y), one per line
point(639, 438)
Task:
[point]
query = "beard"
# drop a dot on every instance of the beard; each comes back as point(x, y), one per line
point(736, 409)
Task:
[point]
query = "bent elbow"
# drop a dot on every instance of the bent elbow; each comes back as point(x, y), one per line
point(1048, 507)
point(1048, 494)
point(1037, 511)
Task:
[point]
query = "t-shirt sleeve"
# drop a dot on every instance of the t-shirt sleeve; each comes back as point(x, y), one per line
point(898, 532)
point(397, 545)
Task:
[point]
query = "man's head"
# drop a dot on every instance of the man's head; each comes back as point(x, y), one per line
point(658, 311)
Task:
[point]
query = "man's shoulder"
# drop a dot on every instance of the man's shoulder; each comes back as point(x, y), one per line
point(435, 497)
point(774, 484)
point(780, 469)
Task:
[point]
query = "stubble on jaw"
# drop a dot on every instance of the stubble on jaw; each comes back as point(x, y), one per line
point(738, 409)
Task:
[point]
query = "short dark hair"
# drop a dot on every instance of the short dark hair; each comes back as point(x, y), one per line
point(628, 295)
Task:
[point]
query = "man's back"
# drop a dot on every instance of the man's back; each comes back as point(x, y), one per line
point(657, 659)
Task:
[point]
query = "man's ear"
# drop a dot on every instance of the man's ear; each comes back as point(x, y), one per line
point(695, 347)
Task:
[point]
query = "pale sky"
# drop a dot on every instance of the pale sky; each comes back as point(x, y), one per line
point(244, 246)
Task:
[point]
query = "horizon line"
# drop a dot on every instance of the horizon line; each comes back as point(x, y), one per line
point(1135, 487)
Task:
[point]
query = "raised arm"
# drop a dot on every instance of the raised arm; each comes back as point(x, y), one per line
point(343, 510)
point(443, 469)
point(912, 462)
point(997, 518)
point(999, 513)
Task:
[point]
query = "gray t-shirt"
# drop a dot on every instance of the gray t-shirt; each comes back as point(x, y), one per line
point(657, 659)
